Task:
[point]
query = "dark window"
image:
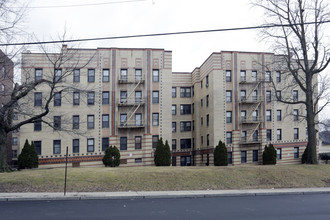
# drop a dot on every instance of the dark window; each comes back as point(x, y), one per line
point(185, 109)
point(267, 76)
point(123, 143)
point(279, 115)
point(295, 95)
point(123, 74)
point(230, 157)
point(90, 145)
point(138, 142)
point(269, 134)
point(123, 119)
point(207, 120)
point(255, 136)
point(105, 98)
point(208, 140)
point(229, 137)
point(268, 96)
point(76, 75)
point(76, 98)
point(185, 126)
point(154, 140)
point(201, 102)
point(295, 114)
point(138, 75)
point(193, 90)
point(243, 95)
point(91, 75)
point(278, 76)
point(243, 75)
point(229, 116)
point(296, 133)
point(57, 122)
point(255, 155)
point(37, 125)
point(138, 119)
point(207, 101)
point(37, 145)
point(268, 115)
point(185, 143)
point(173, 144)
point(138, 97)
point(279, 134)
point(228, 75)
point(173, 127)
point(123, 96)
point(57, 99)
point(296, 152)
point(75, 146)
point(15, 141)
point(173, 109)
point(105, 143)
point(56, 146)
point(155, 97)
point(38, 74)
point(90, 98)
point(58, 75)
point(138, 160)
point(243, 156)
point(105, 76)
point(155, 75)
point(173, 92)
point(185, 92)
point(155, 119)
point(90, 121)
point(105, 121)
point(228, 96)
point(37, 99)
point(207, 81)
point(278, 95)
point(201, 83)
point(279, 153)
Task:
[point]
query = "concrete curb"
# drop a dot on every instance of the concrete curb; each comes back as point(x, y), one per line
point(13, 197)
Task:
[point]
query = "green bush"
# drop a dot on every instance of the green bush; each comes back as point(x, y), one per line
point(220, 155)
point(269, 155)
point(163, 154)
point(29, 157)
point(111, 157)
point(325, 156)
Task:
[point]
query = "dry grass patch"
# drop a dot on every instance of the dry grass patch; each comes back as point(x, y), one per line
point(166, 178)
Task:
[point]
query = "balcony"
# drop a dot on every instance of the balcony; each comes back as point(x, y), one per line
point(131, 124)
point(130, 102)
point(133, 80)
point(253, 140)
point(252, 99)
point(252, 80)
point(251, 120)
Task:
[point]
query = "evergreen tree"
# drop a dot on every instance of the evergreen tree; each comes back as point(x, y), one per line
point(111, 157)
point(162, 156)
point(28, 158)
point(269, 155)
point(220, 155)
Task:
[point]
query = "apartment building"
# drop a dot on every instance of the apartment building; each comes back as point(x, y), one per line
point(102, 97)
point(230, 97)
point(6, 88)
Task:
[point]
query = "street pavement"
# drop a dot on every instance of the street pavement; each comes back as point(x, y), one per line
point(39, 196)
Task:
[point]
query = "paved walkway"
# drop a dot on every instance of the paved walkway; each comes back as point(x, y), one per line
point(159, 194)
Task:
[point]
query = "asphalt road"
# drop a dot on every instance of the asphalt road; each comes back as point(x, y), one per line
point(247, 207)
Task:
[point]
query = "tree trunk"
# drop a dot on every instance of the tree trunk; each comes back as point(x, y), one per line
point(4, 167)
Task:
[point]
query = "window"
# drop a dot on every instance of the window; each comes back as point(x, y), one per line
point(155, 75)
point(123, 74)
point(230, 157)
point(207, 101)
point(296, 133)
point(268, 115)
point(267, 76)
point(173, 109)
point(185, 143)
point(193, 108)
point(57, 122)
point(138, 96)
point(155, 97)
point(76, 75)
point(138, 75)
point(15, 141)
point(202, 140)
point(201, 102)
point(243, 115)
point(279, 134)
point(268, 96)
point(91, 75)
point(185, 126)
point(207, 81)
point(138, 142)
point(193, 90)
point(269, 134)
point(173, 127)
point(228, 75)
point(255, 115)
point(243, 75)
point(123, 119)
point(15, 117)
point(58, 75)
point(90, 145)
point(243, 136)
point(229, 116)
point(279, 153)
point(173, 92)
point(105, 75)
point(123, 96)
point(138, 160)
point(278, 76)
point(90, 98)
point(105, 143)
point(255, 135)
point(76, 98)
point(38, 74)
point(37, 99)
point(201, 84)
point(14, 153)
point(105, 121)
point(208, 140)
point(154, 140)
point(193, 125)
point(90, 121)
point(138, 119)
point(75, 146)
point(278, 95)
point(255, 155)
point(201, 120)
point(185, 92)
point(229, 137)
point(56, 146)
point(207, 120)
point(37, 125)
point(105, 98)
point(243, 95)
point(155, 119)
point(37, 145)
point(279, 115)
point(57, 99)
point(295, 114)
point(243, 156)
point(254, 75)
point(228, 96)
point(296, 152)
point(255, 95)
point(295, 95)
point(173, 144)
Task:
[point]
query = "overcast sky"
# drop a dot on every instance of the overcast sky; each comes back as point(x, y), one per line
point(152, 16)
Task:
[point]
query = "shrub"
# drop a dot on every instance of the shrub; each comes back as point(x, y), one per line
point(220, 155)
point(111, 157)
point(324, 156)
point(29, 157)
point(269, 155)
point(162, 155)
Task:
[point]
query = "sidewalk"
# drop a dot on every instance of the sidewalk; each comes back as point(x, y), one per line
point(159, 194)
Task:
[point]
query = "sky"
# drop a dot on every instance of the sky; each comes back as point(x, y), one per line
point(133, 17)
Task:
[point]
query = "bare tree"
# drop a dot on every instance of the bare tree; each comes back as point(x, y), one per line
point(298, 35)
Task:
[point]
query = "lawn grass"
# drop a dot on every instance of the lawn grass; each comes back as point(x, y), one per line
point(102, 179)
